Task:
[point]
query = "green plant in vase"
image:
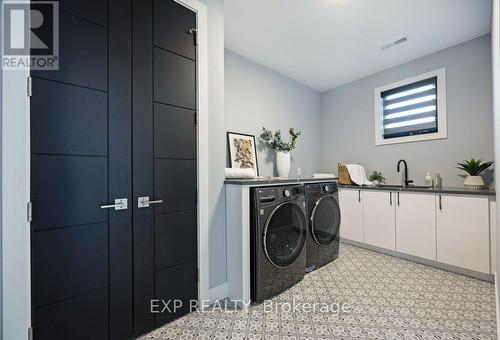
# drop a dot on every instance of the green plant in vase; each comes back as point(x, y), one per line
point(474, 168)
point(377, 176)
point(282, 148)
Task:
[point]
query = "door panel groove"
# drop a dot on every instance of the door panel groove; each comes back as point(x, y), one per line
point(174, 105)
point(175, 265)
point(176, 211)
point(66, 154)
point(72, 297)
point(81, 18)
point(180, 55)
point(69, 84)
point(176, 158)
point(69, 226)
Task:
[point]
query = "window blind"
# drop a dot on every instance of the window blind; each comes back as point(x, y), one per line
point(410, 109)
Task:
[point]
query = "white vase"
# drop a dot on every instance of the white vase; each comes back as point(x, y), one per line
point(474, 182)
point(283, 163)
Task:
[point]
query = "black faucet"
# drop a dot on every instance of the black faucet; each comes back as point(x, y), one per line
point(406, 181)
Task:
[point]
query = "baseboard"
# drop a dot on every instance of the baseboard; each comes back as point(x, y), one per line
point(443, 266)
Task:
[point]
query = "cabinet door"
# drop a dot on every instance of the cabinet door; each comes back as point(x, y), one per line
point(351, 212)
point(463, 231)
point(416, 224)
point(379, 219)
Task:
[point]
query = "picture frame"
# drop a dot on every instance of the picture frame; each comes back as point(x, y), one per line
point(242, 151)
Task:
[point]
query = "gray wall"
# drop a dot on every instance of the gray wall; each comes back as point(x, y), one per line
point(257, 96)
point(216, 132)
point(347, 117)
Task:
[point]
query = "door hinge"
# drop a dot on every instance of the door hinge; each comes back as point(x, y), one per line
point(194, 32)
point(29, 212)
point(29, 86)
point(195, 119)
point(30, 333)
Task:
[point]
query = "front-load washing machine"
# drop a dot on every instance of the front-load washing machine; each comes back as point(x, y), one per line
point(278, 239)
point(323, 212)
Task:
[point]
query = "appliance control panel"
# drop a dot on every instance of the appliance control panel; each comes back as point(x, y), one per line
point(273, 194)
point(329, 187)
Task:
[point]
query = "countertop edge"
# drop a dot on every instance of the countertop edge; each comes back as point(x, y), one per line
point(444, 190)
point(270, 181)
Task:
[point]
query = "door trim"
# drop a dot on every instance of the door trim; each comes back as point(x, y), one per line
point(15, 153)
point(16, 250)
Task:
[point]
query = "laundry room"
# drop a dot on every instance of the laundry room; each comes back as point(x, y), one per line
point(364, 148)
point(250, 169)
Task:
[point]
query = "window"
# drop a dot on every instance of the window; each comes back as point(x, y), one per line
point(411, 110)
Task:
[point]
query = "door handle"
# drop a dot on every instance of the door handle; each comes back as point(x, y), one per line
point(144, 202)
point(398, 198)
point(440, 203)
point(359, 195)
point(120, 204)
point(390, 198)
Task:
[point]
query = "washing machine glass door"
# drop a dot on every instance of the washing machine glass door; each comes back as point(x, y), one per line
point(325, 220)
point(285, 234)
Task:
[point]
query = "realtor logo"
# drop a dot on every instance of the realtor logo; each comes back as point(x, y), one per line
point(30, 37)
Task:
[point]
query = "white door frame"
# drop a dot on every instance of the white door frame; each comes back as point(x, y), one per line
point(15, 175)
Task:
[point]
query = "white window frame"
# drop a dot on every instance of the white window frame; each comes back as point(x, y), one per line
point(441, 110)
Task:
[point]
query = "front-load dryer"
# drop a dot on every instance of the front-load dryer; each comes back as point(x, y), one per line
point(323, 212)
point(278, 239)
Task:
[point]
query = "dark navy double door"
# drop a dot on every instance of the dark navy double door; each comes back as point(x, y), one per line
point(116, 121)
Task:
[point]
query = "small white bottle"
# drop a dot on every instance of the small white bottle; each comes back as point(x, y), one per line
point(428, 179)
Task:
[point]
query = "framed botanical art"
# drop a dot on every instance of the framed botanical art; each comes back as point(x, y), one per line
point(242, 151)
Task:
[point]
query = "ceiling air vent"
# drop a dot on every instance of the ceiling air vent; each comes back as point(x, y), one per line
point(394, 43)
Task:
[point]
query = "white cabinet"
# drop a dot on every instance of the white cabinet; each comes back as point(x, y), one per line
point(463, 231)
point(416, 224)
point(379, 219)
point(351, 210)
point(457, 230)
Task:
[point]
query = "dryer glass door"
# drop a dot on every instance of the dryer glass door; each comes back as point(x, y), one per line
point(285, 234)
point(325, 220)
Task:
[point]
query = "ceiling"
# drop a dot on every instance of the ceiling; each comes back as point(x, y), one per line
point(327, 43)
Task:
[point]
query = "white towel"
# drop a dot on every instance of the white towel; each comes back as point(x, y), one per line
point(239, 173)
point(358, 174)
point(322, 175)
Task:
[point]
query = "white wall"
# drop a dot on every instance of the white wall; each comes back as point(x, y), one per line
point(257, 96)
point(217, 158)
point(347, 118)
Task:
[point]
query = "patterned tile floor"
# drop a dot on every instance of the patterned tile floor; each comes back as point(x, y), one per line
point(379, 297)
